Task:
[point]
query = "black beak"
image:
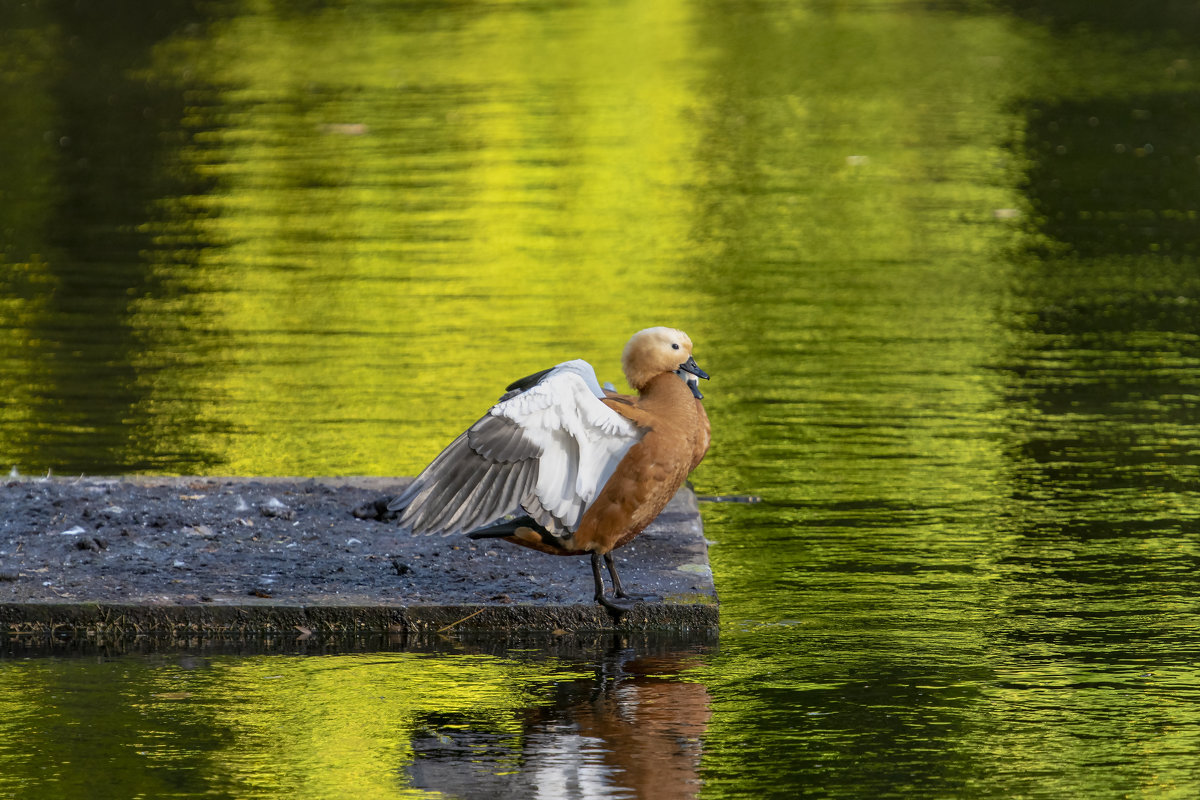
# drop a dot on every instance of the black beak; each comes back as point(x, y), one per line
point(690, 366)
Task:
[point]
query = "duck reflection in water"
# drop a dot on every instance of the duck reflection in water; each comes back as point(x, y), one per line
point(566, 467)
point(635, 730)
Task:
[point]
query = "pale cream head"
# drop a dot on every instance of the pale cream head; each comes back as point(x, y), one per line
point(652, 352)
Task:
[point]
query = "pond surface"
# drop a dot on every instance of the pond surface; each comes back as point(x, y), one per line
point(940, 260)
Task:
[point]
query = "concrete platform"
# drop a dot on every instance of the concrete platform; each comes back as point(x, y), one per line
point(205, 557)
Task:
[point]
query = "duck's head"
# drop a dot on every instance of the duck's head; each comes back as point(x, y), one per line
point(654, 351)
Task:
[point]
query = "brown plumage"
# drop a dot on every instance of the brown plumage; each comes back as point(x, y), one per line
point(563, 467)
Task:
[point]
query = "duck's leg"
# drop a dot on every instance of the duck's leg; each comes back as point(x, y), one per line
point(611, 563)
point(614, 609)
point(618, 589)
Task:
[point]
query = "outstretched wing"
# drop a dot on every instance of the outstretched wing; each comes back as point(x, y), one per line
point(546, 449)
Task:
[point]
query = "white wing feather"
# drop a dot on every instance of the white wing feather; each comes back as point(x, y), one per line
point(582, 440)
point(548, 453)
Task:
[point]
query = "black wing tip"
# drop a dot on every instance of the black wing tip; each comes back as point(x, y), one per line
point(508, 527)
point(528, 382)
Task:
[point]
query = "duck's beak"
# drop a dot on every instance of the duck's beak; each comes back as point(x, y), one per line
point(690, 366)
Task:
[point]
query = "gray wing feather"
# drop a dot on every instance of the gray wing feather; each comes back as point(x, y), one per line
point(534, 508)
point(500, 439)
point(487, 473)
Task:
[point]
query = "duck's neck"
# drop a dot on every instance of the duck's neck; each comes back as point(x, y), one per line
point(666, 389)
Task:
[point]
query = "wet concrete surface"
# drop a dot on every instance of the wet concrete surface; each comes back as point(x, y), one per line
point(235, 556)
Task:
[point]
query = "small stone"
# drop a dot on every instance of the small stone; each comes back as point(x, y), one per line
point(274, 508)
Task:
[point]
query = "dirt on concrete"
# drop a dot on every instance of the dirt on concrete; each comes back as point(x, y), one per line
point(223, 554)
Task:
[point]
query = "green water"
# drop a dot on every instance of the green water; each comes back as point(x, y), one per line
point(940, 259)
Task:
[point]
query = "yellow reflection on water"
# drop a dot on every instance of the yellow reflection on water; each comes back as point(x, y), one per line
point(344, 726)
point(376, 725)
point(398, 217)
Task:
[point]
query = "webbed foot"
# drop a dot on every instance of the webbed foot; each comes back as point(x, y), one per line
point(615, 610)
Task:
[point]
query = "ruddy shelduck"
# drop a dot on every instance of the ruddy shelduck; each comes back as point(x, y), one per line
point(563, 466)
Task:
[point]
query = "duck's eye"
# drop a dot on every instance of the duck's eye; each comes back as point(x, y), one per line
point(674, 346)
